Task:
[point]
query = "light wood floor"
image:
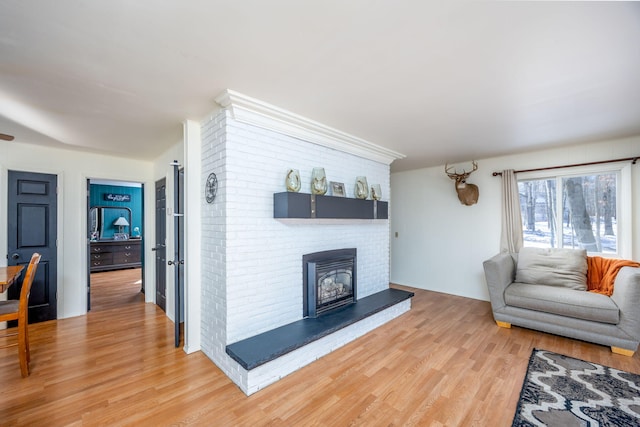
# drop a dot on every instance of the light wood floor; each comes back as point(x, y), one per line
point(115, 289)
point(443, 363)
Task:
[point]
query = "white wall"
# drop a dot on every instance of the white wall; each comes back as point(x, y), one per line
point(193, 232)
point(73, 168)
point(441, 244)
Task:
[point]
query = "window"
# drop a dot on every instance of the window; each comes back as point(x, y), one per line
point(582, 210)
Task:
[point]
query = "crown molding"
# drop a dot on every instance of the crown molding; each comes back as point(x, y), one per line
point(258, 113)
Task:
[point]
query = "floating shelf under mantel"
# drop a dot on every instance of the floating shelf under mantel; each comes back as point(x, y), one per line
point(302, 205)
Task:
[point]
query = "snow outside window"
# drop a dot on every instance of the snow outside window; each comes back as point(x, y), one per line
point(585, 208)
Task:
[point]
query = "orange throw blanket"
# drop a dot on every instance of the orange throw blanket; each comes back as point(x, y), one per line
point(601, 273)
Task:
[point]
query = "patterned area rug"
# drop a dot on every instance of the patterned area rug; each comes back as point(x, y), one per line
point(563, 391)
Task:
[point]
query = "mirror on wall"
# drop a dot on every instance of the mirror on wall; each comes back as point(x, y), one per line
point(110, 223)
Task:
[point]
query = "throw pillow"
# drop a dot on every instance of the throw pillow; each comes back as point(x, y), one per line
point(553, 267)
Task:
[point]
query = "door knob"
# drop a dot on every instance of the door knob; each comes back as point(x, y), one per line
point(15, 256)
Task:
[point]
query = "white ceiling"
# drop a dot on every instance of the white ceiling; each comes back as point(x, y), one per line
point(437, 81)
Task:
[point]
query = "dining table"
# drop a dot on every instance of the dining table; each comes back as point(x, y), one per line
point(8, 275)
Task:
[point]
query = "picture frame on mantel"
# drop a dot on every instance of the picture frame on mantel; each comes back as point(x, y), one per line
point(337, 189)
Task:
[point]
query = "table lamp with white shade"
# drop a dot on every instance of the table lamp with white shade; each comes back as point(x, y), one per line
point(121, 222)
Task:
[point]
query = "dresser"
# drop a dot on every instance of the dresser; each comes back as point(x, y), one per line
point(115, 254)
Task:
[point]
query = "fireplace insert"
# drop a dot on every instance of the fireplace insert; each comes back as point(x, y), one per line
point(329, 281)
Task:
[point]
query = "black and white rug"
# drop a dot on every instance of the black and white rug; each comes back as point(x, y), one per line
point(563, 391)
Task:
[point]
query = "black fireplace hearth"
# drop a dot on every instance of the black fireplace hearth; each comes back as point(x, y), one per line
point(267, 346)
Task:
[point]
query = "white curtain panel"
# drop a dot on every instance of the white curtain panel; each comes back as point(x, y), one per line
point(511, 236)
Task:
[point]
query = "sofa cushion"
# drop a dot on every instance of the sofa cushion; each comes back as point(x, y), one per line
point(553, 267)
point(562, 301)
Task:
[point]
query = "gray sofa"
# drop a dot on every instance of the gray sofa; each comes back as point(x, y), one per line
point(545, 293)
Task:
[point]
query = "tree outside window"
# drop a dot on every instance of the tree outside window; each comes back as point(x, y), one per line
point(587, 216)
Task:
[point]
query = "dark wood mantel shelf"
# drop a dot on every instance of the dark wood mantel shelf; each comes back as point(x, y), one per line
point(302, 205)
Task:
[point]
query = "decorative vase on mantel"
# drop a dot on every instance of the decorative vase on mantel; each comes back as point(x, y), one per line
point(292, 181)
point(361, 189)
point(318, 181)
point(376, 192)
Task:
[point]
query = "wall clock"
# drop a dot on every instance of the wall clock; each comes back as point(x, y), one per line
point(211, 187)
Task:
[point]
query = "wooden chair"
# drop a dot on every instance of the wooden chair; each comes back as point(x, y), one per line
point(19, 310)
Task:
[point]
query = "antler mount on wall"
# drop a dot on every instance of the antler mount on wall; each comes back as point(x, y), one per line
point(467, 193)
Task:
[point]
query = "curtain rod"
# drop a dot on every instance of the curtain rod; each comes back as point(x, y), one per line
point(633, 162)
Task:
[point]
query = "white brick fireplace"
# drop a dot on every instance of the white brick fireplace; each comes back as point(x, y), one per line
point(251, 262)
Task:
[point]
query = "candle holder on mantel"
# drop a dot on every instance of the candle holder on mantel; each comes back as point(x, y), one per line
point(361, 189)
point(376, 192)
point(318, 181)
point(293, 180)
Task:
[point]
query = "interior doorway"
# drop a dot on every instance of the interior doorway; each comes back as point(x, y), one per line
point(115, 212)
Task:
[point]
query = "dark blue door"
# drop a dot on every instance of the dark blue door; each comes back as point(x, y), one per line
point(161, 244)
point(32, 227)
